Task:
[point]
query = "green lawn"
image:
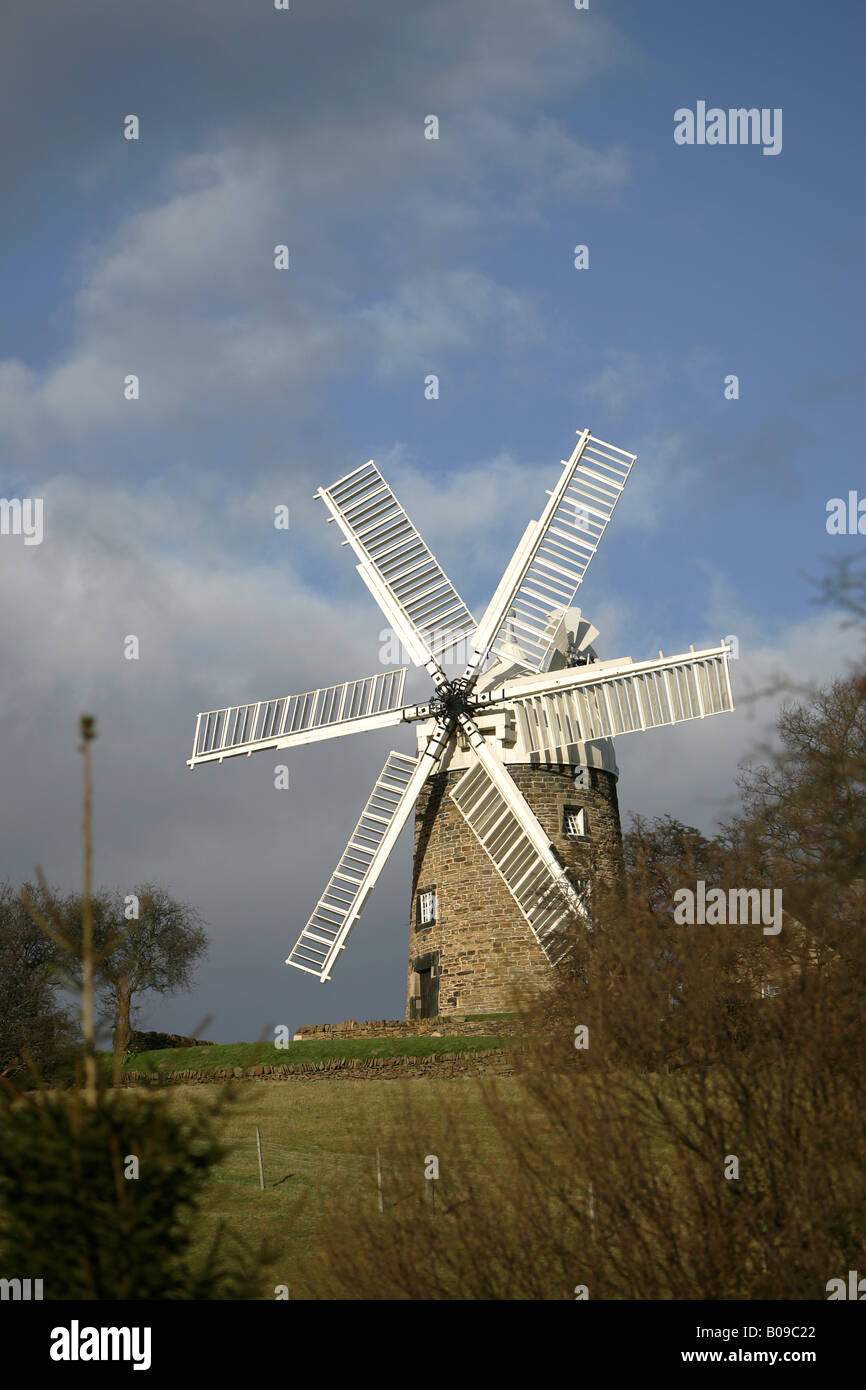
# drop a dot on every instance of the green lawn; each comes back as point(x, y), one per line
point(312, 1164)
point(221, 1055)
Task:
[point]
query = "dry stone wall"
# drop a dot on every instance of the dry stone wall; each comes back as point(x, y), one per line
point(447, 1064)
point(401, 1028)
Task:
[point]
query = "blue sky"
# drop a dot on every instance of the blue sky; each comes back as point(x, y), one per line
point(408, 257)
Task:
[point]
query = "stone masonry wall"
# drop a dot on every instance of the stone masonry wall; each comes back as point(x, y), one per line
point(481, 945)
point(498, 1061)
point(401, 1028)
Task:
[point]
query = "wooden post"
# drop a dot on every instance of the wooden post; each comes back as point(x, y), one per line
point(88, 733)
point(261, 1167)
point(379, 1180)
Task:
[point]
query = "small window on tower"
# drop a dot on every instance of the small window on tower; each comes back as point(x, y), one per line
point(427, 907)
point(574, 823)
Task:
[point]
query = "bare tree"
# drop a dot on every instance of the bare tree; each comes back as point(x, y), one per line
point(144, 941)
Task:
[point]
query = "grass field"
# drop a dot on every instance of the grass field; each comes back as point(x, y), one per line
point(313, 1162)
point(222, 1055)
point(312, 1166)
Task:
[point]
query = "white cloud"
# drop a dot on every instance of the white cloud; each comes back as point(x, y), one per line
point(689, 771)
point(626, 378)
point(182, 291)
point(427, 320)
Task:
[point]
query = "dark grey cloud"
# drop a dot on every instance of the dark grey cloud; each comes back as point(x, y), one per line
point(68, 75)
point(260, 128)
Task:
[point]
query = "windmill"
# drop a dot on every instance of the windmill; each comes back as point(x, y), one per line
point(532, 681)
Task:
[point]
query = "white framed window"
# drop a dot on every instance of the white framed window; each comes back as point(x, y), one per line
point(574, 822)
point(427, 907)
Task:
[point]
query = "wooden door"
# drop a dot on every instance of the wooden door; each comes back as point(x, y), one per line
point(429, 994)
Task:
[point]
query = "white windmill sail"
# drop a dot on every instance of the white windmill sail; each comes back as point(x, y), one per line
point(603, 700)
point(553, 556)
point(543, 894)
point(373, 702)
point(351, 883)
point(402, 573)
point(362, 861)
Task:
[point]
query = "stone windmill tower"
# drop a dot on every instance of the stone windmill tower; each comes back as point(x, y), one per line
point(469, 947)
point(514, 778)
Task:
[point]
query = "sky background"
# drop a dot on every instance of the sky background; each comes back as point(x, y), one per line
point(408, 257)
